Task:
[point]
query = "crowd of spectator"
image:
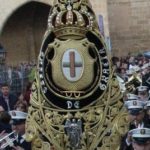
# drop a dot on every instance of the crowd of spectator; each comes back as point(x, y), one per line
point(134, 72)
point(126, 66)
point(17, 76)
point(15, 85)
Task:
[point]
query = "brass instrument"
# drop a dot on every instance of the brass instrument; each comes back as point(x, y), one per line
point(8, 140)
point(121, 84)
point(133, 82)
point(76, 101)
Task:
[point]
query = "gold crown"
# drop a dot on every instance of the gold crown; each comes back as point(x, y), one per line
point(71, 18)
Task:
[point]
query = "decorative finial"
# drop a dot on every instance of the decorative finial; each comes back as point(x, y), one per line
point(69, 5)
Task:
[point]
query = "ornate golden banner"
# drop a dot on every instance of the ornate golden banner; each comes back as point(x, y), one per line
point(76, 103)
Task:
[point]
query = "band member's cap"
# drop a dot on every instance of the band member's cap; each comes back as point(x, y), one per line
point(140, 135)
point(148, 104)
point(142, 88)
point(131, 97)
point(18, 114)
point(135, 106)
point(18, 117)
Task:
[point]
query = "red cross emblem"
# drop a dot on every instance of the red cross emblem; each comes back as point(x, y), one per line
point(73, 63)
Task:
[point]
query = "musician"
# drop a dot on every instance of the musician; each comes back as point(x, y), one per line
point(140, 139)
point(18, 124)
point(137, 119)
point(143, 93)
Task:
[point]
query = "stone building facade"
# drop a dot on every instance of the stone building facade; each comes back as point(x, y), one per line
point(23, 23)
point(124, 24)
point(22, 27)
point(129, 26)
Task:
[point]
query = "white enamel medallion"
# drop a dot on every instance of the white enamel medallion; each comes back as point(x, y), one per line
point(72, 65)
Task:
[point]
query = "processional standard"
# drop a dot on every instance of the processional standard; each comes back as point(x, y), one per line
point(76, 103)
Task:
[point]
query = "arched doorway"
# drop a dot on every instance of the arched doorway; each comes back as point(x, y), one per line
point(23, 32)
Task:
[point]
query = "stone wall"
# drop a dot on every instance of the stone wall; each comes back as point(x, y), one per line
point(100, 8)
point(126, 23)
point(8, 7)
point(129, 22)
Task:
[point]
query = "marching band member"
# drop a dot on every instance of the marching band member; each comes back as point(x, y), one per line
point(136, 111)
point(18, 124)
point(143, 93)
point(140, 139)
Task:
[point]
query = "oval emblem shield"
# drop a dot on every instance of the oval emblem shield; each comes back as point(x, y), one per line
point(72, 65)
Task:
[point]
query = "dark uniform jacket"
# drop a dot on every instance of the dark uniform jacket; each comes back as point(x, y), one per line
point(20, 141)
point(12, 101)
point(23, 143)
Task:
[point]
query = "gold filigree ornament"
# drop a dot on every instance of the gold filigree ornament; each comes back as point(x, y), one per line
point(76, 103)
